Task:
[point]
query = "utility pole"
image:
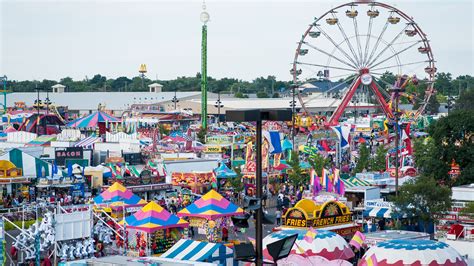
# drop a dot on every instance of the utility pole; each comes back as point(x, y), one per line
point(218, 105)
point(204, 20)
point(175, 100)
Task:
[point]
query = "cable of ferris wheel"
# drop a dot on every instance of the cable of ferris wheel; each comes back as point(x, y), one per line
point(357, 38)
point(335, 45)
point(369, 32)
point(390, 57)
point(348, 42)
point(330, 55)
point(406, 64)
point(382, 90)
point(388, 45)
point(378, 41)
point(334, 67)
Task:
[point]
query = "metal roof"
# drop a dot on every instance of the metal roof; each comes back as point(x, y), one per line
point(91, 100)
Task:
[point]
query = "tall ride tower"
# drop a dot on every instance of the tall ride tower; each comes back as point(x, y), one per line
point(204, 20)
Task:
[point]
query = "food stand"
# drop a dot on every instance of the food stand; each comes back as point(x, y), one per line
point(331, 215)
point(198, 182)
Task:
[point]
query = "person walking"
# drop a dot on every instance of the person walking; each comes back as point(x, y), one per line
point(278, 216)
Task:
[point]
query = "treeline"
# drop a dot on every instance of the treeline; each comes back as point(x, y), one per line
point(262, 86)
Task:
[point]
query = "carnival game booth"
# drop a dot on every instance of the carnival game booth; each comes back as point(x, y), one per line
point(118, 200)
point(412, 252)
point(223, 174)
point(152, 230)
point(187, 249)
point(331, 215)
point(210, 214)
point(312, 242)
point(197, 182)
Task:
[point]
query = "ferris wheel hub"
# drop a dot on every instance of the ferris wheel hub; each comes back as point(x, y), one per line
point(364, 71)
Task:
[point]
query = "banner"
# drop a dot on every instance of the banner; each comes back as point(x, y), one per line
point(276, 159)
point(248, 152)
point(265, 157)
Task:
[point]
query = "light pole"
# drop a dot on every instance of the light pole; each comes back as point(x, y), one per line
point(47, 101)
point(4, 79)
point(354, 104)
point(204, 20)
point(293, 115)
point(37, 108)
point(175, 100)
point(257, 115)
point(218, 105)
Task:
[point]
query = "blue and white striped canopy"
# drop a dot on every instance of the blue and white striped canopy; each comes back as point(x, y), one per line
point(380, 212)
point(191, 250)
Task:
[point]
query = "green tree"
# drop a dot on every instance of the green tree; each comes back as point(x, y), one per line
point(201, 135)
point(424, 198)
point(443, 83)
point(378, 163)
point(318, 162)
point(453, 139)
point(262, 94)
point(388, 78)
point(296, 176)
point(468, 210)
point(236, 182)
point(466, 100)
point(240, 95)
point(363, 161)
point(276, 95)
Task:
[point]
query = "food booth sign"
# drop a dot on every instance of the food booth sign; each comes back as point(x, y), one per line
point(328, 214)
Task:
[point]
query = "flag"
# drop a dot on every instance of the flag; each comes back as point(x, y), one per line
point(370, 261)
point(357, 240)
point(248, 152)
point(265, 154)
point(343, 133)
point(274, 139)
point(300, 249)
point(339, 184)
point(55, 168)
point(69, 169)
point(315, 182)
point(310, 235)
point(252, 240)
point(327, 181)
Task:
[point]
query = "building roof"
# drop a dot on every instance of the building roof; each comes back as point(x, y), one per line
point(91, 100)
point(323, 86)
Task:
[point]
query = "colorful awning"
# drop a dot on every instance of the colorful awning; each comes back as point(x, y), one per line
point(153, 217)
point(44, 140)
point(191, 250)
point(413, 252)
point(92, 120)
point(118, 194)
point(224, 172)
point(211, 206)
point(88, 143)
point(355, 182)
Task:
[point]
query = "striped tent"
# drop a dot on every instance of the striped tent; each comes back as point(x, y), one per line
point(153, 217)
point(31, 166)
point(354, 182)
point(118, 194)
point(191, 250)
point(44, 140)
point(210, 206)
point(88, 143)
point(92, 120)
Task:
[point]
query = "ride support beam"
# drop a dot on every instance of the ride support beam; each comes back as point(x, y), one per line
point(381, 100)
point(334, 120)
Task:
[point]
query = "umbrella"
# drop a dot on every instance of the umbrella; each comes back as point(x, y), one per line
point(313, 242)
point(153, 217)
point(118, 194)
point(414, 252)
point(210, 206)
point(224, 172)
point(281, 167)
point(92, 120)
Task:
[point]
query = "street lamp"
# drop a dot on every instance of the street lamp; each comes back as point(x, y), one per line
point(354, 104)
point(450, 103)
point(47, 101)
point(175, 100)
point(218, 105)
point(258, 115)
point(293, 114)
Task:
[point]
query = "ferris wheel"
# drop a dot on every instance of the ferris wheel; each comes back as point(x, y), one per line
point(350, 50)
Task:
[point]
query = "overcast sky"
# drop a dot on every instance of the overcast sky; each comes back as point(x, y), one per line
point(246, 39)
